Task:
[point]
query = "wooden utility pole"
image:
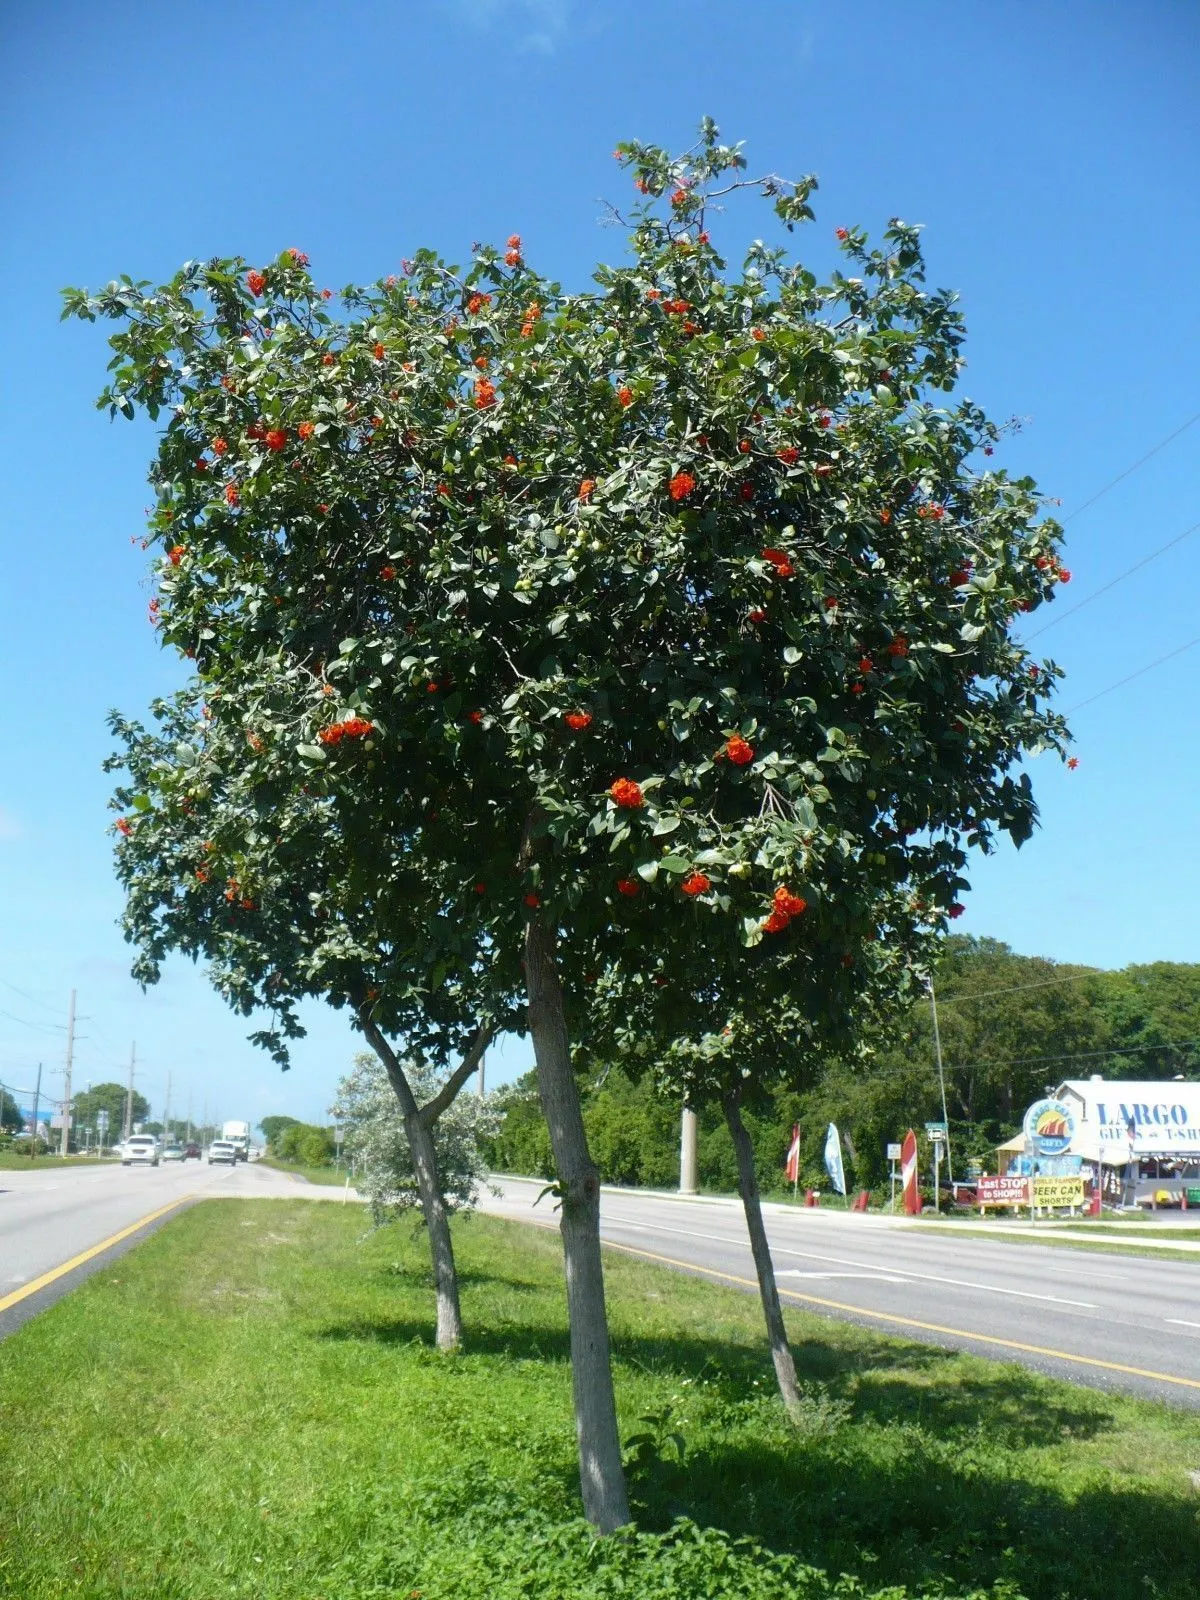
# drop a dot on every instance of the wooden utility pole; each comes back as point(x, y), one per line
point(66, 1110)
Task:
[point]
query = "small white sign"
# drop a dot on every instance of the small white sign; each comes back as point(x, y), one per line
point(893, 1152)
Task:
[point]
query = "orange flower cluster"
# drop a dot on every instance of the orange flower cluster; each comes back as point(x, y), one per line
point(627, 794)
point(696, 883)
point(628, 886)
point(255, 282)
point(738, 751)
point(232, 494)
point(275, 439)
point(585, 490)
point(219, 447)
point(781, 561)
point(306, 430)
point(124, 826)
point(677, 308)
point(577, 721)
point(934, 511)
point(378, 352)
point(485, 394)
point(351, 728)
point(477, 302)
point(625, 395)
point(785, 906)
point(789, 455)
point(512, 257)
point(177, 553)
point(681, 485)
point(533, 315)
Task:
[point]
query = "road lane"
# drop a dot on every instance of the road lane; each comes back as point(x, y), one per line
point(51, 1217)
point(1114, 1322)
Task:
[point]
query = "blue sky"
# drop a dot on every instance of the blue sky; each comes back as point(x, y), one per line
point(1051, 149)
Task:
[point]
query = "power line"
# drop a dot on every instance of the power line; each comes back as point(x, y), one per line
point(1140, 462)
point(1082, 1055)
point(1019, 988)
point(1141, 672)
point(40, 1027)
point(1113, 582)
point(32, 999)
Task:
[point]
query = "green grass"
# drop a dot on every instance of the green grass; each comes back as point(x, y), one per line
point(10, 1162)
point(326, 1175)
point(248, 1404)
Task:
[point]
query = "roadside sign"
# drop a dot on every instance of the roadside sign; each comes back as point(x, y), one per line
point(893, 1152)
point(1002, 1192)
point(1058, 1191)
point(936, 1130)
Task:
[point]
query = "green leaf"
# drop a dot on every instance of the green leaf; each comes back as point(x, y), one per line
point(666, 824)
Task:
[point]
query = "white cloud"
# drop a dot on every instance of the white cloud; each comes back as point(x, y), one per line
point(546, 20)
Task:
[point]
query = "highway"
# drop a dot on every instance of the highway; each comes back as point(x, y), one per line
point(1115, 1322)
point(51, 1216)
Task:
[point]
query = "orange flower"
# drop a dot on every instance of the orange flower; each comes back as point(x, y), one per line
point(775, 923)
point(485, 394)
point(757, 335)
point(789, 904)
point(532, 901)
point(124, 826)
point(738, 751)
point(481, 362)
point(514, 241)
point(627, 794)
point(625, 395)
point(477, 302)
point(585, 490)
point(696, 883)
point(327, 360)
point(219, 447)
point(378, 352)
point(578, 720)
point(256, 283)
point(177, 553)
point(629, 886)
point(275, 439)
point(781, 561)
point(681, 485)
point(232, 494)
point(512, 258)
point(789, 455)
point(306, 430)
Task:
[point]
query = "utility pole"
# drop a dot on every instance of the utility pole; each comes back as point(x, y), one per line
point(937, 1045)
point(189, 1126)
point(128, 1127)
point(167, 1112)
point(37, 1095)
point(66, 1119)
point(687, 1152)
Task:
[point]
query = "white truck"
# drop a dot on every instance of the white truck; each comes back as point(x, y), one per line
point(238, 1135)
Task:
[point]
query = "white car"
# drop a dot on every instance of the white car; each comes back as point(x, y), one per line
point(223, 1150)
point(173, 1152)
point(141, 1150)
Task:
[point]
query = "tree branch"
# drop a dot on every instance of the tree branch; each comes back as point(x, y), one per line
point(391, 1063)
point(433, 1109)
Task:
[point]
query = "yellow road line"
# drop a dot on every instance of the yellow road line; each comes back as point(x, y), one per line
point(55, 1273)
point(911, 1322)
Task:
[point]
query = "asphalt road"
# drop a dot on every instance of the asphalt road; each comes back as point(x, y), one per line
point(1110, 1321)
point(49, 1217)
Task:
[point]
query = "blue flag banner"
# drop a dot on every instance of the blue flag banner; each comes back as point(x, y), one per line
point(833, 1159)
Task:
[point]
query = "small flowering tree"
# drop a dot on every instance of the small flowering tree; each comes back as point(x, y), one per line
point(618, 613)
point(263, 883)
point(377, 1138)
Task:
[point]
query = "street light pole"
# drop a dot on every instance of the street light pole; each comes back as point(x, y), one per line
point(937, 1045)
point(128, 1125)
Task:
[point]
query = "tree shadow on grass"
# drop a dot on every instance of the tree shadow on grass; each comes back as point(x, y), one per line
point(902, 1470)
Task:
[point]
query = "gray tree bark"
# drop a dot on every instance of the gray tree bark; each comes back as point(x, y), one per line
point(601, 1475)
point(418, 1123)
point(768, 1292)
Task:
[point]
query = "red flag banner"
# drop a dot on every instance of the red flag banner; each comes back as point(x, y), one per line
point(792, 1165)
point(909, 1175)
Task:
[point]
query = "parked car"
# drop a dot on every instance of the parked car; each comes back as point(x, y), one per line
point(140, 1149)
point(191, 1152)
point(222, 1151)
point(173, 1152)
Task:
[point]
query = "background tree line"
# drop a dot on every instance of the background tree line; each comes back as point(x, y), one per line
point(1010, 1025)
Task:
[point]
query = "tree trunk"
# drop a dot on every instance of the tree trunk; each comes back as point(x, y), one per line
point(601, 1476)
point(433, 1206)
point(781, 1355)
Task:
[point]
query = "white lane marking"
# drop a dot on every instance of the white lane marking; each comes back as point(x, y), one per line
point(873, 1277)
point(1182, 1322)
point(846, 1261)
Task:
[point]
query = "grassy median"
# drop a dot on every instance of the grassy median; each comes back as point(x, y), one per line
point(248, 1405)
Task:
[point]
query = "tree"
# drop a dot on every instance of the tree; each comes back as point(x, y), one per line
point(272, 1127)
point(377, 1139)
point(610, 616)
point(305, 1144)
point(108, 1097)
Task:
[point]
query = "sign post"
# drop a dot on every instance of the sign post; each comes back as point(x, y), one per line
point(893, 1155)
point(937, 1132)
